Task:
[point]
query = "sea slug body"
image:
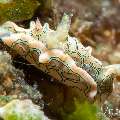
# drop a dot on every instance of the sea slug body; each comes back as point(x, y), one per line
point(59, 55)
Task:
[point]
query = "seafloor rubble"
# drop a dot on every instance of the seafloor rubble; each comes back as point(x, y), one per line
point(12, 81)
point(16, 96)
point(98, 26)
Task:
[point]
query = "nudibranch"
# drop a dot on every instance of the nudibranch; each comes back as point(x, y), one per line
point(60, 55)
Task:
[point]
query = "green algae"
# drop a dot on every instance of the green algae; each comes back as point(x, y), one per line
point(22, 110)
point(83, 111)
point(18, 10)
point(5, 1)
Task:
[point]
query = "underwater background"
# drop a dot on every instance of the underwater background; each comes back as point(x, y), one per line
point(28, 93)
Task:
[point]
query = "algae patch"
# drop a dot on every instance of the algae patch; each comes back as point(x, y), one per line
point(17, 10)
